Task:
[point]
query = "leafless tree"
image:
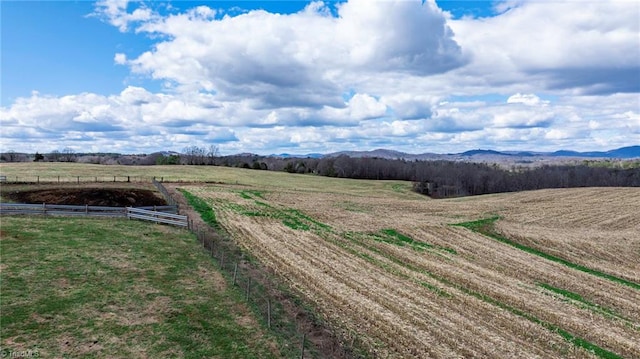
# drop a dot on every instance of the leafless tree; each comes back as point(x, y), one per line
point(68, 155)
point(212, 154)
point(194, 155)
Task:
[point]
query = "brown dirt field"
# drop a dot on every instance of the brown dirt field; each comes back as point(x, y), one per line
point(323, 338)
point(384, 292)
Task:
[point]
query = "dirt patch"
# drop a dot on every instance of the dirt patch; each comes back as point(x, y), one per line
point(114, 197)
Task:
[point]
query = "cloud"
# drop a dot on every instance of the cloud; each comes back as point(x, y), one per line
point(356, 75)
point(587, 47)
point(115, 13)
point(295, 60)
point(120, 59)
point(527, 99)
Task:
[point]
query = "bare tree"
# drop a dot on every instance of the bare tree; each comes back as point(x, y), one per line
point(11, 155)
point(54, 156)
point(195, 155)
point(212, 154)
point(68, 155)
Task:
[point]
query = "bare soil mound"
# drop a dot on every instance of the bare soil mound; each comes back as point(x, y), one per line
point(115, 197)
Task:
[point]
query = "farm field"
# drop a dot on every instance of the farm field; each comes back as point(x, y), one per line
point(113, 288)
point(548, 273)
point(69, 172)
point(395, 269)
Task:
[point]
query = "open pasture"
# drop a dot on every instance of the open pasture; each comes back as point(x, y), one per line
point(114, 288)
point(551, 273)
point(69, 172)
point(394, 268)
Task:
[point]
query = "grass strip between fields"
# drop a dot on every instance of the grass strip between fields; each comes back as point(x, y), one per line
point(575, 340)
point(290, 217)
point(206, 212)
point(583, 303)
point(391, 236)
point(357, 239)
point(486, 228)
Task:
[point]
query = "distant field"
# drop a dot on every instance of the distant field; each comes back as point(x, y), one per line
point(247, 177)
point(117, 289)
point(549, 273)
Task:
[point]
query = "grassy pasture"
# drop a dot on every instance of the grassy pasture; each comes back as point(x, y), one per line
point(112, 288)
point(236, 176)
point(389, 267)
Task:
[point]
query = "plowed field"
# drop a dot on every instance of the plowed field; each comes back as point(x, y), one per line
point(555, 274)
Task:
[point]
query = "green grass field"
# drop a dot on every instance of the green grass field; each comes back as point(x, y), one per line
point(107, 288)
point(69, 172)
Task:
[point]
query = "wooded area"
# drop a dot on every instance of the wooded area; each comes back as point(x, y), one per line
point(440, 179)
point(435, 178)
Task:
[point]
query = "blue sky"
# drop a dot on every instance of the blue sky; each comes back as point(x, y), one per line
point(301, 77)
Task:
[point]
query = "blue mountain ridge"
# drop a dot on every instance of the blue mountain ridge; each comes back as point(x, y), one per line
point(619, 153)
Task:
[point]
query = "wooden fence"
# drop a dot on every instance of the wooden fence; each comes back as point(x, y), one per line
point(158, 217)
point(72, 179)
point(159, 214)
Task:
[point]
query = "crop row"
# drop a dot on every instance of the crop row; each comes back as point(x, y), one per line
point(424, 275)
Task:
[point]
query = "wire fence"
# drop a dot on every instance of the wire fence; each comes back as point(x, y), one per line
point(165, 193)
point(71, 179)
point(275, 305)
point(269, 299)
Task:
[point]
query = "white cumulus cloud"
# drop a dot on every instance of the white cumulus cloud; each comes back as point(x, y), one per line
point(359, 74)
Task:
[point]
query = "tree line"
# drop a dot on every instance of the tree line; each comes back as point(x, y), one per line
point(437, 179)
point(442, 179)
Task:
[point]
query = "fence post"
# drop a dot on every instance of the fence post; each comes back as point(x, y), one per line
point(128, 179)
point(304, 335)
point(86, 209)
point(44, 208)
point(78, 179)
point(248, 289)
point(235, 273)
point(114, 178)
point(269, 313)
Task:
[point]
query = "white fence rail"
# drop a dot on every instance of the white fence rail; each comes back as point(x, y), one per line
point(158, 217)
point(158, 214)
point(58, 209)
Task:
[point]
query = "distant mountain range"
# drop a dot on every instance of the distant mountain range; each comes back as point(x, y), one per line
point(478, 155)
